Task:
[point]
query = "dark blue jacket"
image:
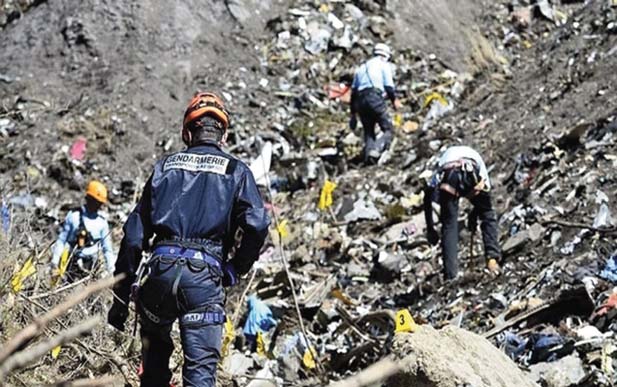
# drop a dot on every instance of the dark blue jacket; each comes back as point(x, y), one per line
point(201, 196)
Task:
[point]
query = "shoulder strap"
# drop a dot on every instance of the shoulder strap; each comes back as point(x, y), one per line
point(82, 226)
point(81, 219)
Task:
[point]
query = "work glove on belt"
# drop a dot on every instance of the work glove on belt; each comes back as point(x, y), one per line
point(230, 277)
point(117, 315)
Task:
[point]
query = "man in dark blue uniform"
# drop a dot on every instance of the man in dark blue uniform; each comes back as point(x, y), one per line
point(201, 205)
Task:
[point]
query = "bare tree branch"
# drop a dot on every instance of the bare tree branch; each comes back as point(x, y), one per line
point(378, 372)
point(24, 358)
point(104, 381)
point(563, 223)
point(24, 336)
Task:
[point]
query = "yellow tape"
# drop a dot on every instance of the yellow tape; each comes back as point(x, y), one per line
point(325, 198)
point(434, 96)
point(17, 282)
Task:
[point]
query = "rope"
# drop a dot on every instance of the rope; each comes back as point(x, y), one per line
point(236, 314)
point(288, 272)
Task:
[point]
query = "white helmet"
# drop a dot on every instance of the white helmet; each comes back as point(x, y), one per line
point(383, 50)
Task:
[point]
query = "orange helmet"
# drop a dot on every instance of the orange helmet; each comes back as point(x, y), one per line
point(204, 104)
point(97, 191)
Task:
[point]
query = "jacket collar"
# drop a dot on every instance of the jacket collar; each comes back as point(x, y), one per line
point(205, 144)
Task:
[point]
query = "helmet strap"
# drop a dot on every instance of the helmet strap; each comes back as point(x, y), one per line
point(187, 137)
point(223, 139)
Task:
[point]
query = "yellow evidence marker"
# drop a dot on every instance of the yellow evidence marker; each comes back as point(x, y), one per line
point(404, 322)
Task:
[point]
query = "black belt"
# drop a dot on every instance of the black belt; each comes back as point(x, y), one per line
point(187, 253)
point(370, 90)
point(207, 246)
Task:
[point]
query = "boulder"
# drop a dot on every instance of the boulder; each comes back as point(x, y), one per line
point(452, 357)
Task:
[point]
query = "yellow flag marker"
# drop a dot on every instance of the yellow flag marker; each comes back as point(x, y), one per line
point(261, 344)
point(64, 263)
point(434, 96)
point(282, 229)
point(228, 338)
point(325, 198)
point(404, 322)
point(398, 120)
point(17, 283)
point(308, 360)
point(55, 352)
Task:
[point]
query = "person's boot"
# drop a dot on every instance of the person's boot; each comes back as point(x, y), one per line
point(372, 157)
point(493, 267)
point(385, 158)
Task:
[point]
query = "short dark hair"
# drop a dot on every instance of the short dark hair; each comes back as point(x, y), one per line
point(206, 128)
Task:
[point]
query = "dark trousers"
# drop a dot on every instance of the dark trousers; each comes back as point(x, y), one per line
point(483, 208)
point(371, 106)
point(75, 271)
point(196, 298)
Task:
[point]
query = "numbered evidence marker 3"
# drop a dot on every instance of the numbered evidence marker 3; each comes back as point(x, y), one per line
point(404, 322)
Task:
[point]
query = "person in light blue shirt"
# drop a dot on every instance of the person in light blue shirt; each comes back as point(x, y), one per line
point(85, 233)
point(371, 81)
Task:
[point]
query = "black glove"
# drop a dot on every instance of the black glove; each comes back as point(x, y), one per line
point(353, 122)
point(230, 278)
point(432, 236)
point(472, 221)
point(117, 315)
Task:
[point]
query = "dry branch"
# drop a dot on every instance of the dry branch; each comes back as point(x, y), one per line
point(607, 230)
point(24, 336)
point(59, 290)
point(104, 381)
point(112, 358)
point(24, 358)
point(379, 371)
